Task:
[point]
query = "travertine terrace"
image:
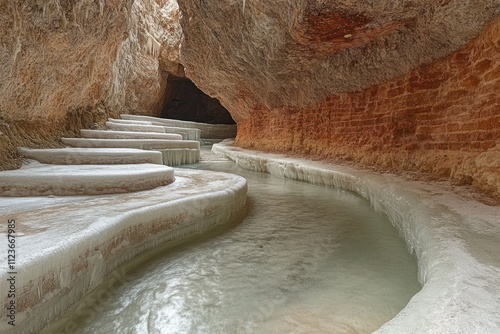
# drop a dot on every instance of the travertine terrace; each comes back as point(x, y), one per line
point(410, 88)
point(399, 85)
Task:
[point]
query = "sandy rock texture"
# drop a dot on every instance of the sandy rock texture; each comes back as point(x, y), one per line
point(254, 54)
point(398, 85)
point(442, 119)
point(67, 65)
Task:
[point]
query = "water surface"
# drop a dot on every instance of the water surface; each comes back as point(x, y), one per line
point(301, 258)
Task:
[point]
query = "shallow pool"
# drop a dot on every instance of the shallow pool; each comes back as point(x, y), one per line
point(302, 258)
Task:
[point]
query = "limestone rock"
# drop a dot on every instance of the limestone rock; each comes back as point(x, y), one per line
point(398, 85)
point(266, 54)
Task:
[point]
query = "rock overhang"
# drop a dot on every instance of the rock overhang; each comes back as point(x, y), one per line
point(263, 55)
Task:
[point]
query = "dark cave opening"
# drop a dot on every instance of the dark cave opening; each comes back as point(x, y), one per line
point(184, 101)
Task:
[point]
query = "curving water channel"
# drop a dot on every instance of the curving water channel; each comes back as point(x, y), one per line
point(302, 258)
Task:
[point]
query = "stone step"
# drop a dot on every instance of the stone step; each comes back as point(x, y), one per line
point(127, 121)
point(191, 134)
point(164, 121)
point(105, 134)
point(69, 180)
point(135, 127)
point(185, 135)
point(92, 156)
point(215, 131)
point(171, 123)
point(210, 141)
point(145, 144)
point(188, 134)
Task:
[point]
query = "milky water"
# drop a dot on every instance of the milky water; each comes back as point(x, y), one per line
point(301, 258)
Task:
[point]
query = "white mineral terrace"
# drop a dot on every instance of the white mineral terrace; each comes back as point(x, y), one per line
point(210, 131)
point(174, 152)
point(131, 125)
point(67, 245)
point(131, 143)
point(126, 121)
point(179, 156)
point(456, 241)
point(135, 127)
point(92, 156)
point(106, 134)
point(66, 180)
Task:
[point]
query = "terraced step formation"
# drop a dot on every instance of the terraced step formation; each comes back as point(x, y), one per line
point(70, 180)
point(132, 148)
point(91, 156)
point(81, 211)
point(128, 135)
point(207, 131)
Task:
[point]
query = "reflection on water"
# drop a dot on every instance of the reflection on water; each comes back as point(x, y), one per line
point(302, 259)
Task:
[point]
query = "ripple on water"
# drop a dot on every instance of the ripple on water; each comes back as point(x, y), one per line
point(303, 259)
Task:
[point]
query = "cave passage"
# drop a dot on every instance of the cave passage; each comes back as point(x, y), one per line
point(184, 101)
point(303, 258)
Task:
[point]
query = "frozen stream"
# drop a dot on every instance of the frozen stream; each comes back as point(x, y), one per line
point(303, 258)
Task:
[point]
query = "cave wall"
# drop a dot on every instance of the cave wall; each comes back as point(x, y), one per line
point(401, 85)
point(395, 85)
point(184, 101)
point(67, 65)
point(256, 55)
point(442, 119)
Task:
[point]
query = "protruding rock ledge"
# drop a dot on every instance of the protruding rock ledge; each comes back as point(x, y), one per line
point(60, 180)
point(92, 156)
point(208, 131)
point(148, 144)
point(135, 127)
point(455, 240)
point(105, 134)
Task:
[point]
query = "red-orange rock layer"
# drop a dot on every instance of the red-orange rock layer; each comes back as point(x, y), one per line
point(442, 119)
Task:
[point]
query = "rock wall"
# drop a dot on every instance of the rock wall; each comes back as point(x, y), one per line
point(67, 65)
point(268, 54)
point(399, 85)
point(442, 119)
point(184, 101)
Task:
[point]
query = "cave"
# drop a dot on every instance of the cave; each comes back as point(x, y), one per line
point(184, 101)
point(340, 158)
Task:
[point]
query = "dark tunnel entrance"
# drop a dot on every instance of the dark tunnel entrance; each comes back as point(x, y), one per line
point(184, 101)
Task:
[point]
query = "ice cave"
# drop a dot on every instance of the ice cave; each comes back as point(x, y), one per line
point(288, 166)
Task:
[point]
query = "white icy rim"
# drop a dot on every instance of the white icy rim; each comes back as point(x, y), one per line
point(65, 246)
point(37, 179)
point(456, 241)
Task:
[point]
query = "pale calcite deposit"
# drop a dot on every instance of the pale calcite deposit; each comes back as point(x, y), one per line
point(399, 85)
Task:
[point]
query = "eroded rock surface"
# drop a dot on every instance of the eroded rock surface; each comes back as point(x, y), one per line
point(401, 85)
point(66, 65)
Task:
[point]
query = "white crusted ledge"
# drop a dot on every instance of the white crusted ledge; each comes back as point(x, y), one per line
point(67, 245)
point(135, 127)
point(109, 134)
point(68, 180)
point(92, 156)
point(191, 134)
point(456, 241)
point(210, 131)
point(147, 144)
